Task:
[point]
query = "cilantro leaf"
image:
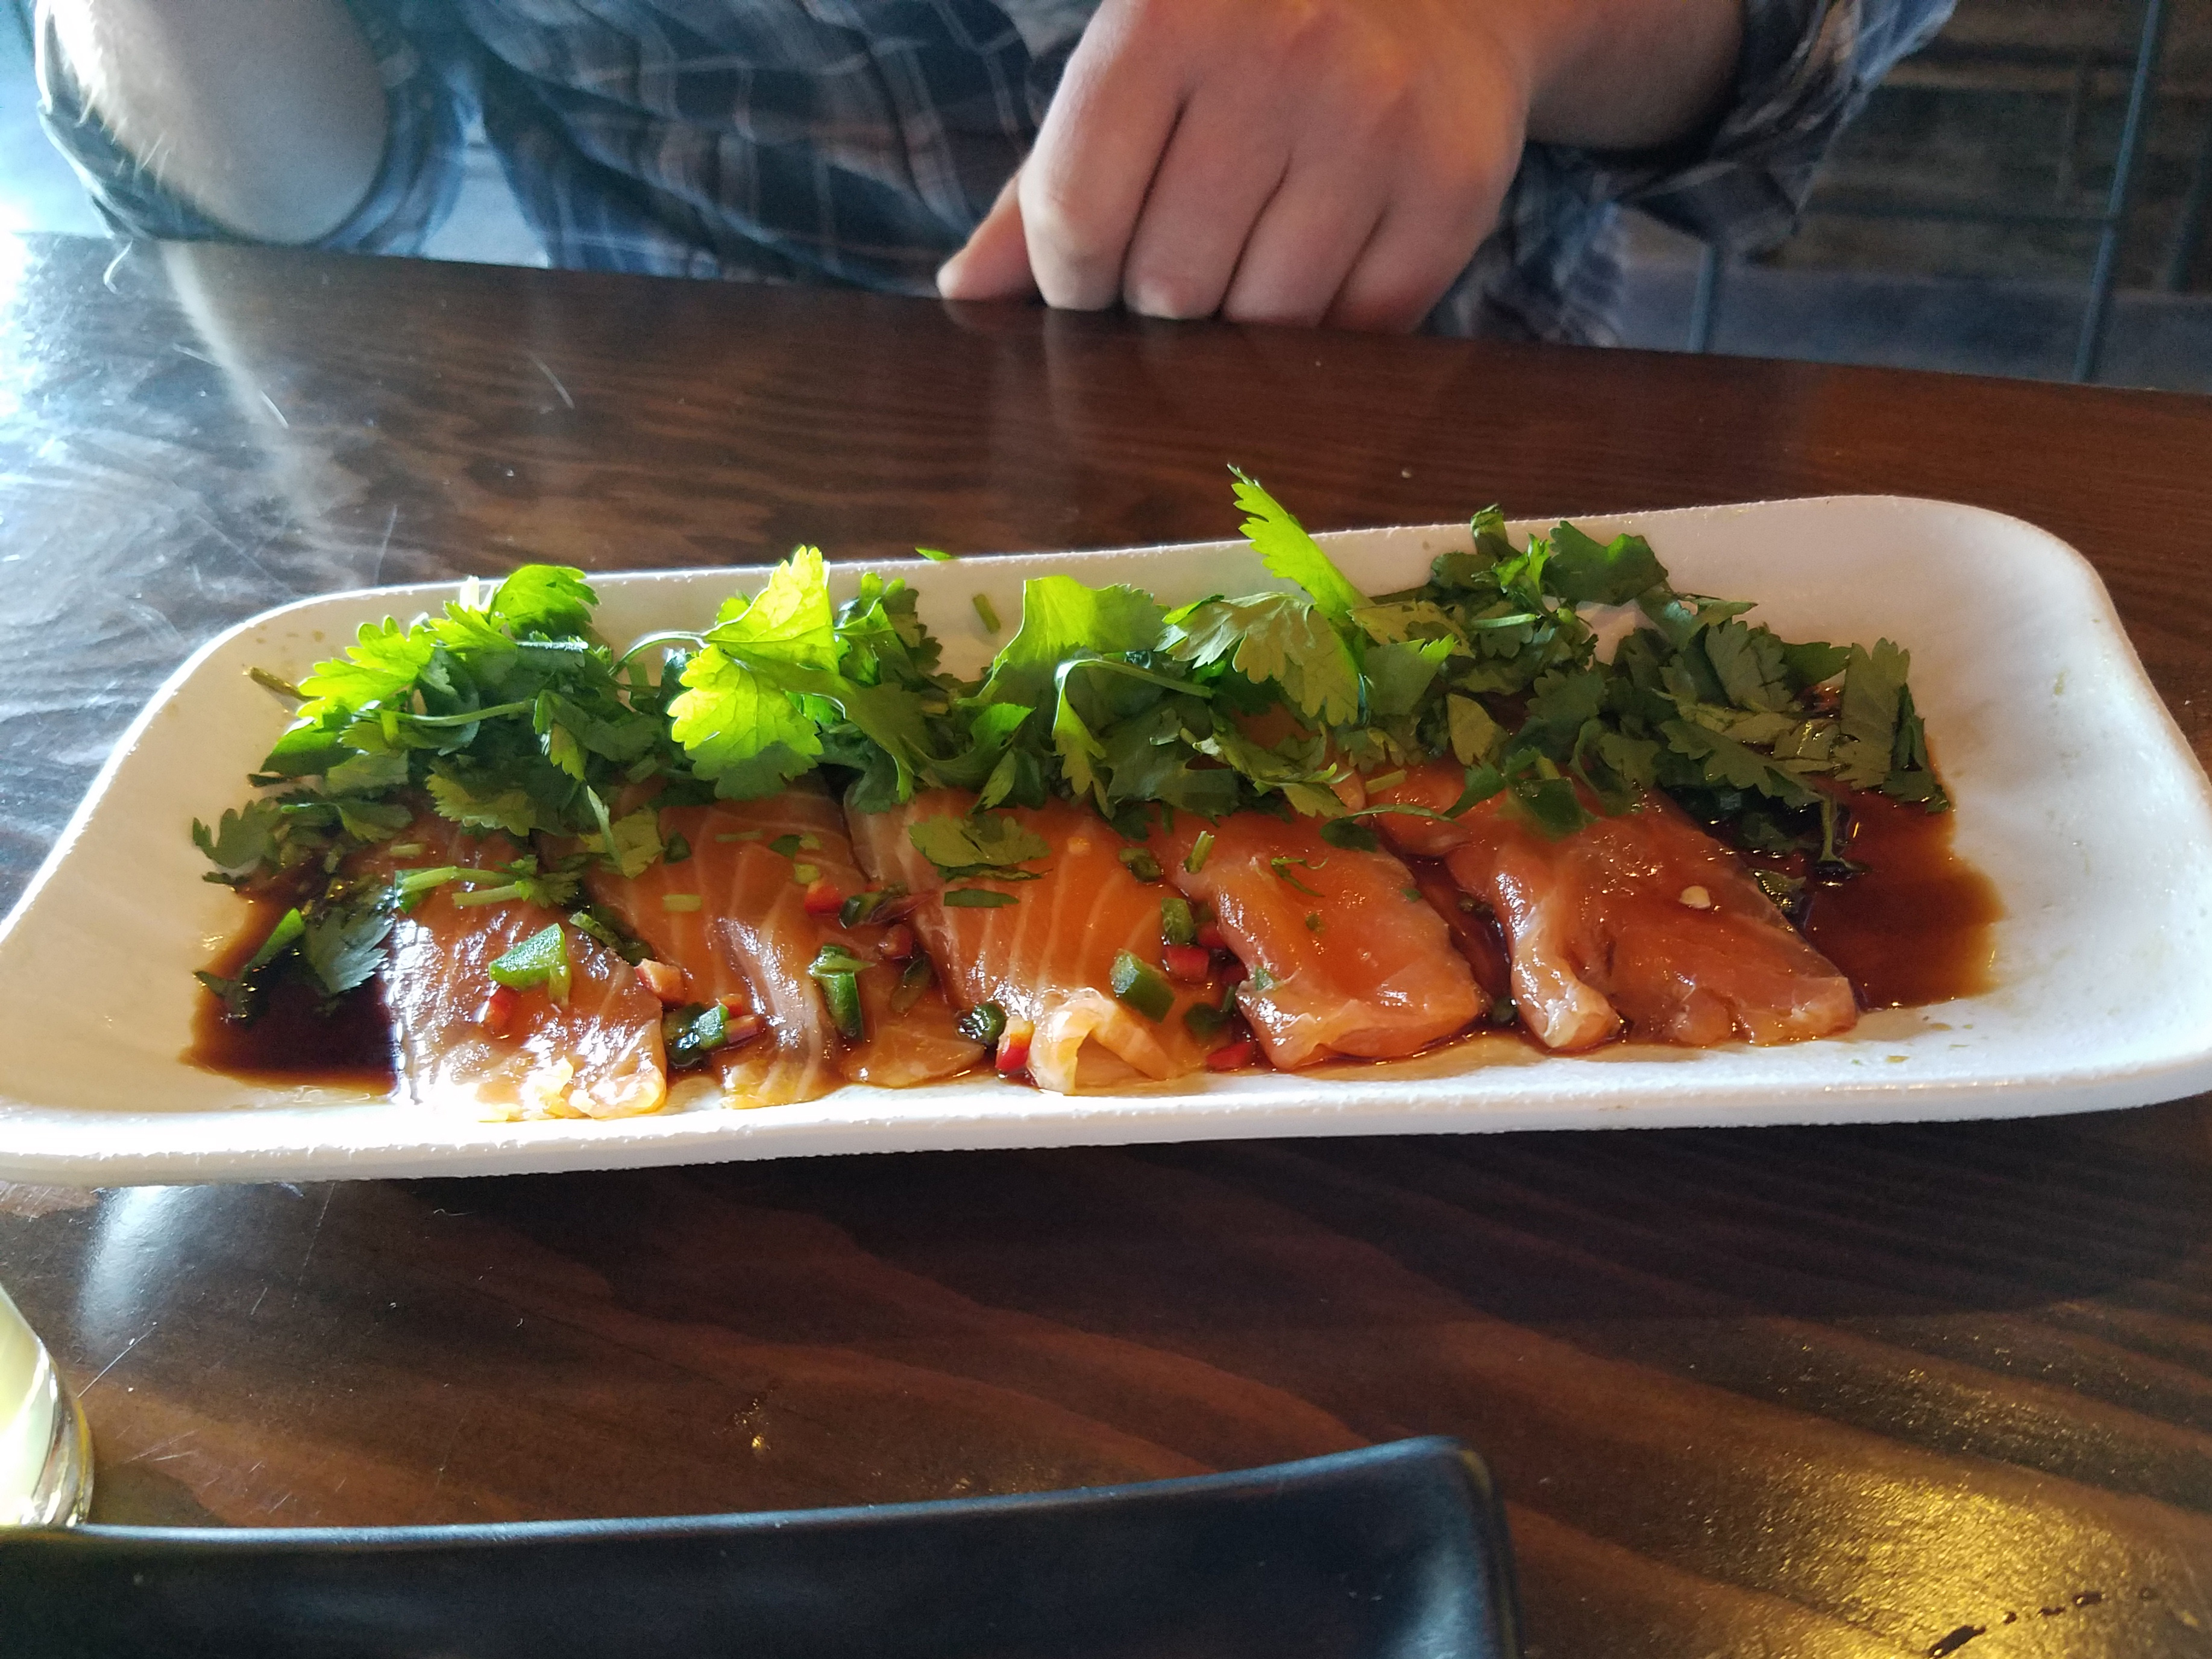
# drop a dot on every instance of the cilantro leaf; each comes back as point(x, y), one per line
point(1867, 722)
point(977, 844)
point(788, 621)
point(509, 810)
point(1751, 663)
point(637, 844)
point(243, 840)
point(1289, 552)
point(1582, 571)
point(1278, 637)
point(727, 714)
point(1474, 735)
point(366, 773)
point(544, 599)
point(343, 946)
point(1398, 675)
point(1060, 618)
point(382, 663)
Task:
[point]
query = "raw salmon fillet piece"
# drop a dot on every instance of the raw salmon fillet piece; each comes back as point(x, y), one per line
point(752, 939)
point(1048, 958)
point(1641, 918)
point(597, 1055)
point(1361, 965)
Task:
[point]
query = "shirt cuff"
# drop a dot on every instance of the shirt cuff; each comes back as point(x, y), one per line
point(416, 182)
point(1805, 69)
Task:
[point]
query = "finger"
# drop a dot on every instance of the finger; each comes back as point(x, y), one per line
point(993, 264)
point(1209, 190)
point(1416, 254)
point(1084, 183)
point(1305, 244)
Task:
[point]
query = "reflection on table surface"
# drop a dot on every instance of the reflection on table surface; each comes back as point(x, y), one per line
point(1875, 1391)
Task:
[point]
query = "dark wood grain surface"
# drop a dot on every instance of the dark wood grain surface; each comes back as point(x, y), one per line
point(1838, 1392)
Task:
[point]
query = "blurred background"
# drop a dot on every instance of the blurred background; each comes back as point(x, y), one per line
point(2027, 196)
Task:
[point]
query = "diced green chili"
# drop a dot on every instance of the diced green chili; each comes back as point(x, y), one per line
point(1204, 1020)
point(693, 1031)
point(861, 908)
point(986, 1023)
point(541, 959)
point(837, 971)
point(1140, 863)
point(1177, 925)
point(1140, 986)
point(1199, 848)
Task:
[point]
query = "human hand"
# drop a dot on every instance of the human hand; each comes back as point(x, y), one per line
point(1270, 160)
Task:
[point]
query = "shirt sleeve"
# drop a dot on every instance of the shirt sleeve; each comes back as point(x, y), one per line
point(1805, 69)
point(416, 182)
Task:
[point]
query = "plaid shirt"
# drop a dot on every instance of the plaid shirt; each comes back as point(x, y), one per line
point(860, 141)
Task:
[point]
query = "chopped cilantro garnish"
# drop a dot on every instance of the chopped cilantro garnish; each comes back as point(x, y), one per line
point(977, 844)
point(976, 899)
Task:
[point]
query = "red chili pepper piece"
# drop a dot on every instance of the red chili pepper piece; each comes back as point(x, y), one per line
point(1231, 1056)
point(1209, 936)
point(742, 1027)
point(1186, 963)
point(823, 898)
point(1233, 972)
point(1014, 1056)
point(896, 944)
point(498, 1009)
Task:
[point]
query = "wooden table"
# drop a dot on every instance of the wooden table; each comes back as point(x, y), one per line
point(1838, 1392)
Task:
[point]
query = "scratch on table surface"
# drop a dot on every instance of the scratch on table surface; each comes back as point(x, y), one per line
point(446, 1453)
point(321, 1216)
point(159, 1452)
point(391, 523)
point(551, 376)
point(257, 1301)
point(273, 409)
point(107, 276)
point(118, 1360)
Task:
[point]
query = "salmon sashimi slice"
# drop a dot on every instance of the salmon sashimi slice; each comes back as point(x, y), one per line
point(1638, 918)
point(735, 919)
point(465, 1044)
point(1047, 959)
point(1345, 954)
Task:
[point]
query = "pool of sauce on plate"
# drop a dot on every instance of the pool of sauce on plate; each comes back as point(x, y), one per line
point(1917, 928)
point(293, 1041)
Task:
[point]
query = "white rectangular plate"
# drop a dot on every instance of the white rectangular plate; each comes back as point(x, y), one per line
point(2077, 796)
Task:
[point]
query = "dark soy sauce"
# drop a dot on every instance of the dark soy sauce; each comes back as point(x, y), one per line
point(1915, 927)
point(292, 1041)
